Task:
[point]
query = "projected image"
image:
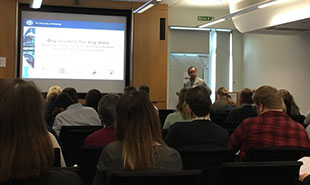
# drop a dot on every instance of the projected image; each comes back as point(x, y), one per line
point(62, 49)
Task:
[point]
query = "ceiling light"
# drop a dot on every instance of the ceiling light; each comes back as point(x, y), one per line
point(146, 6)
point(188, 28)
point(35, 4)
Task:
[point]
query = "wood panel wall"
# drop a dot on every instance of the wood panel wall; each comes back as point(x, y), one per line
point(149, 64)
point(8, 37)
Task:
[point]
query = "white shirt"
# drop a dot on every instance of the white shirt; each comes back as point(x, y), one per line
point(76, 115)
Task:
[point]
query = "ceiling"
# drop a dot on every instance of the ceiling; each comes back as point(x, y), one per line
point(300, 26)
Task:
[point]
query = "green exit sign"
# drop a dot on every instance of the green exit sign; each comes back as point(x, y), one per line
point(205, 18)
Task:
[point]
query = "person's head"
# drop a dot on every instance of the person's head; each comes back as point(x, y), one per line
point(230, 100)
point(107, 108)
point(72, 92)
point(192, 72)
point(267, 98)
point(138, 129)
point(63, 101)
point(53, 92)
point(221, 92)
point(144, 88)
point(288, 96)
point(92, 98)
point(198, 101)
point(129, 89)
point(181, 106)
point(246, 96)
point(25, 145)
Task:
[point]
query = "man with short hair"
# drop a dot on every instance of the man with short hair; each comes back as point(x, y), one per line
point(75, 114)
point(236, 116)
point(194, 80)
point(106, 111)
point(272, 128)
point(201, 131)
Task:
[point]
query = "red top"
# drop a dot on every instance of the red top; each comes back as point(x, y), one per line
point(101, 137)
point(271, 129)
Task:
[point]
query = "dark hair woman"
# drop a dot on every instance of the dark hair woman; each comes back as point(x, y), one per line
point(26, 148)
point(139, 145)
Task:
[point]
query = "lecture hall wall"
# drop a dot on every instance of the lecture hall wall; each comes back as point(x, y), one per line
point(149, 64)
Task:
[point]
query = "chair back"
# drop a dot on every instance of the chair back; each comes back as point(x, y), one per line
point(275, 154)
point(207, 160)
point(88, 161)
point(259, 173)
point(299, 118)
point(187, 177)
point(57, 162)
point(163, 113)
point(72, 138)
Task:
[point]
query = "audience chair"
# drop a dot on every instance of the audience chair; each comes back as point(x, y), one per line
point(299, 118)
point(163, 113)
point(72, 138)
point(219, 117)
point(259, 173)
point(207, 160)
point(57, 162)
point(275, 154)
point(88, 162)
point(164, 132)
point(187, 177)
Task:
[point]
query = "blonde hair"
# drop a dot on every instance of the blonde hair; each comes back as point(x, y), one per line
point(222, 92)
point(53, 91)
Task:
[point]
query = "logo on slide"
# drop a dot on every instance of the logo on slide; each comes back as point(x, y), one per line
point(29, 22)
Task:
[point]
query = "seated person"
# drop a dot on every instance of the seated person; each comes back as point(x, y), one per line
point(92, 98)
point(271, 128)
point(201, 131)
point(51, 96)
point(26, 147)
point(75, 114)
point(221, 100)
point(139, 145)
point(236, 116)
point(146, 90)
point(106, 110)
point(294, 109)
point(181, 114)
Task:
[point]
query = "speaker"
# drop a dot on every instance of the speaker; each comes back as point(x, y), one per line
point(162, 29)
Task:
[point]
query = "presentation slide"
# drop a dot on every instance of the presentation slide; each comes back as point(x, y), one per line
point(81, 50)
point(57, 49)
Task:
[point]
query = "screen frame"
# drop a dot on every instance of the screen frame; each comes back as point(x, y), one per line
point(80, 10)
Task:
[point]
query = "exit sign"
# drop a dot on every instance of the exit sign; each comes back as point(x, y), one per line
point(205, 18)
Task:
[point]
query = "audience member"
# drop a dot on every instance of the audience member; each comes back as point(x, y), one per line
point(139, 145)
point(181, 113)
point(106, 111)
point(272, 128)
point(221, 100)
point(246, 110)
point(52, 94)
point(201, 131)
point(288, 96)
point(194, 80)
point(26, 146)
point(75, 114)
point(145, 89)
point(129, 89)
point(92, 98)
point(307, 120)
